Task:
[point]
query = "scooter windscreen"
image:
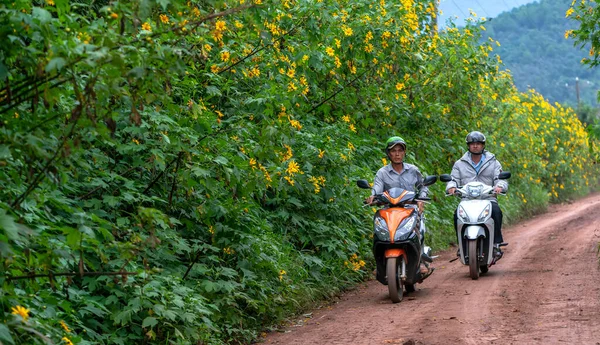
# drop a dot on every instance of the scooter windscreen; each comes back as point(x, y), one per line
point(397, 195)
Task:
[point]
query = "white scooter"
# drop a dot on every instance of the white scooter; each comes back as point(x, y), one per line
point(475, 226)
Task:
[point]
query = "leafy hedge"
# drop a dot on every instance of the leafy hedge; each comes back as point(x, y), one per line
point(185, 172)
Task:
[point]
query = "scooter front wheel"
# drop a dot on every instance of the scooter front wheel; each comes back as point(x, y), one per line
point(393, 278)
point(473, 259)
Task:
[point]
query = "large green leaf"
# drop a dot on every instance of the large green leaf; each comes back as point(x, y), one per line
point(5, 336)
point(55, 64)
point(7, 224)
point(149, 322)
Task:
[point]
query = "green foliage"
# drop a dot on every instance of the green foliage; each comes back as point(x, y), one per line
point(184, 172)
point(587, 14)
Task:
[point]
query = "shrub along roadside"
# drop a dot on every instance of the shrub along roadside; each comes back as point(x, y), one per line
point(193, 169)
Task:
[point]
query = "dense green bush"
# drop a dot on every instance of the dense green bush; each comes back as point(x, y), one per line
point(185, 172)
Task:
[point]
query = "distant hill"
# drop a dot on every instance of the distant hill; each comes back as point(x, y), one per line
point(458, 10)
point(534, 48)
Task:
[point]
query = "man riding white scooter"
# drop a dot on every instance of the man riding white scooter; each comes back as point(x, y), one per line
point(482, 166)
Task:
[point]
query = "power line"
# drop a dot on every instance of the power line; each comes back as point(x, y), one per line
point(460, 9)
point(487, 15)
point(507, 6)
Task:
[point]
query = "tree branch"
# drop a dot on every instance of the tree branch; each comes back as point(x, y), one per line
point(63, 274)
point(175, 178)
point(338, 91)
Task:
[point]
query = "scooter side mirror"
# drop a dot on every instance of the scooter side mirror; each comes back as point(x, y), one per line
point(445, 177)
point(504, 175)
point(363, 184)
point(429, 180)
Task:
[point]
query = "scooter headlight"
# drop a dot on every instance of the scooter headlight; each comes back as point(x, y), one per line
point(485, 213)
point(474, 191)
point(463, 214)
point(405, 228)
point(381, 229)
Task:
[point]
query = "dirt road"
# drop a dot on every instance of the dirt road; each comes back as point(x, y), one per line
point(546, 290)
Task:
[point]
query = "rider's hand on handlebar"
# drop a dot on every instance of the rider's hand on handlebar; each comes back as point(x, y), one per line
point(498, 190)
point(451, 191)
point(370, 199)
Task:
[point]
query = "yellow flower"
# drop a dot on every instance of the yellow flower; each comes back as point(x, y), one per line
point(23, 312)
point(292, 168)
point(220, 25)
point(337, 62)
point(50, 2)
point(146, 26)
point(321, 153)
point(295, 123)
point(207, 47)
point(400, 86)
point(67, 341)
point(225, 56)
point(292, 87)
point(238, 24)
point(164, 19)
point(281, 274)
point(569, 12)
point(288, 154)
point(330, 51)
point(346, 118)
point(114, 15)
point(347, 30)
point(64, 326)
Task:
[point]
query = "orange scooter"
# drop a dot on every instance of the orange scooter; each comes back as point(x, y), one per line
point(398, 239)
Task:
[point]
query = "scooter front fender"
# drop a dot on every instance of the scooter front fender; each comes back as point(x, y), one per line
point(395, 252)
point(473, 232)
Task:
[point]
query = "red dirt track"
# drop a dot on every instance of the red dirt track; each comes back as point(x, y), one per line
point(546, 290)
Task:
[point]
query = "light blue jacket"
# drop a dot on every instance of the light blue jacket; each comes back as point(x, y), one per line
point(463, 172)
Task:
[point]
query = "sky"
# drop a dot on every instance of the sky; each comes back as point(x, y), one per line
point(483, 8)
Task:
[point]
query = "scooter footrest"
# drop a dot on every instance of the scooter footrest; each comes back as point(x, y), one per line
point(503, 244)
point(426, 258)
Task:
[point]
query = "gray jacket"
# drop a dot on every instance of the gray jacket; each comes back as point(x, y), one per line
point(463, 173)
point(387, 178)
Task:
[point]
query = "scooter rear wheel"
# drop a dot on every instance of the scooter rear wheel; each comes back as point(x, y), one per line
point(393, 279)
point(473, 259)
